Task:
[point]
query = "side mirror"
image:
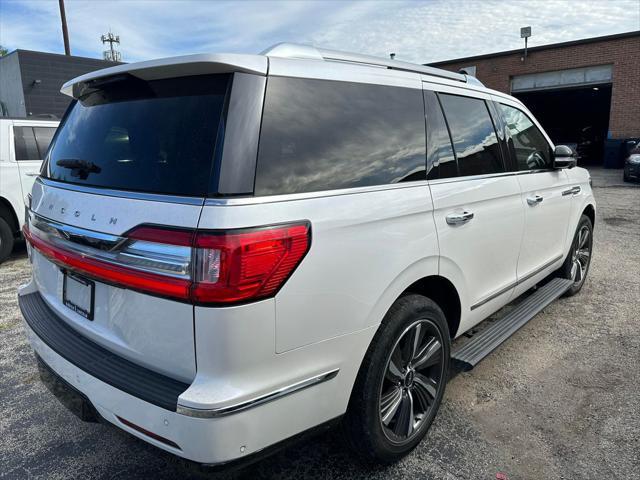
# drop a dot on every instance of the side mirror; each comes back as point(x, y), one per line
point(564, 157)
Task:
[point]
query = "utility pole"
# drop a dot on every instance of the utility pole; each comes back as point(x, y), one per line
point(65, 32)
point(111, 54)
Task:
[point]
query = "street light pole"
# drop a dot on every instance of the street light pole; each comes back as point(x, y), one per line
point(65, 32)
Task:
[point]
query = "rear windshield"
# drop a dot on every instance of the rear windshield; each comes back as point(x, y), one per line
point(128, 134)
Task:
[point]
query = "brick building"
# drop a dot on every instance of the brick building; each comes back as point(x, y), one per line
point(585, 89)
point(30, 81)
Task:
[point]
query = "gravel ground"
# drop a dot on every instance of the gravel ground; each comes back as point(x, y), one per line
point(560, 399)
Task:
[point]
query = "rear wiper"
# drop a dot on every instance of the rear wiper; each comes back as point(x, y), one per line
point(80, 168)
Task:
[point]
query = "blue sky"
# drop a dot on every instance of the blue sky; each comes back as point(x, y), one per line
point(420, 31)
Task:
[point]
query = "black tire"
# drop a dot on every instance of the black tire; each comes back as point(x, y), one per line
point(6, 240)
point(625, 177)
point(364, 429)
point(566, 271)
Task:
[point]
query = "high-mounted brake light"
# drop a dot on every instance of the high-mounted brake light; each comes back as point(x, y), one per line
point(201, 267)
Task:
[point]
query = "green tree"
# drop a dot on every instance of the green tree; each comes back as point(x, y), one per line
point(3, 51)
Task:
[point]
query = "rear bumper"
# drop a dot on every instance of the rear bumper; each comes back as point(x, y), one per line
point(102, 364)
point(115, 393)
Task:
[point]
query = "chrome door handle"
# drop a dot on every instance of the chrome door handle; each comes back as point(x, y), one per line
point(572, 191)
point(459, 218)
point(536, 199)
point(32, 174)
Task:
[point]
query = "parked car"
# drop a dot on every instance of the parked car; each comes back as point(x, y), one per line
point(23, 143)
point(632, 164)
point(590, 147)
point(632, 167)
point(230, 250)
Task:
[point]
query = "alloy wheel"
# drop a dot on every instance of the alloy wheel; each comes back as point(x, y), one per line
point(581, 256)
point(413, 377)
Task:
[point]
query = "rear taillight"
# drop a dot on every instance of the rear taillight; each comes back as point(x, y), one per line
point(233, 267)
point(201, 267)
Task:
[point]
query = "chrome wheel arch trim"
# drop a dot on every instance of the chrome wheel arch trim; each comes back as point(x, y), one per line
point(257, 401)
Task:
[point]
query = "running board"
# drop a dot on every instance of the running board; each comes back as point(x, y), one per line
point(469, 354)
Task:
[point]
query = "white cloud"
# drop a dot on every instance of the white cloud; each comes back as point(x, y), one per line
point(417, 31)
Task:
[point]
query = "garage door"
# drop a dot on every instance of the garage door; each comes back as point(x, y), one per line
point(562, 78)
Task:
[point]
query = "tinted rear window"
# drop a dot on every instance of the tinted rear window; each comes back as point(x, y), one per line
point(157, 136)
point(473, 134)
point(322, 135)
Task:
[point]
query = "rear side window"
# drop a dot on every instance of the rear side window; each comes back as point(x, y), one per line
point(441, 163)
point(474, 137)
point(322, 135)
point(126, 133)
point(530, 147)
point(25, 144)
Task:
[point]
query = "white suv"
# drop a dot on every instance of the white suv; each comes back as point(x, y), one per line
point(229, 250)
point(23, 143)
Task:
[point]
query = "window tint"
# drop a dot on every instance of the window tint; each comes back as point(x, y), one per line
point(43, 138)
point(441, 163)
point(25, 143)
point(157, 136)
point(531, 149)
point(473, 135)
point(320, 135)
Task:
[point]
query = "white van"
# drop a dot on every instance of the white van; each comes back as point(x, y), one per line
point(23, 143)
point(229, 250)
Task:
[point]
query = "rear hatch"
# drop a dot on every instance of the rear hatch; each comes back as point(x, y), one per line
point(112, 215)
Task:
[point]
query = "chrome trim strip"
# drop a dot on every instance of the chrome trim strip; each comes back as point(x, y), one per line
point(169, 260)
point(151, 197)
point(537, 271)
point(289, 197)
point(261, 400)
point(488, 175)
point(494, 295)
point(516, 283)
point(82, 236)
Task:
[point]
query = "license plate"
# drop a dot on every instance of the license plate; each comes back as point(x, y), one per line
point(78, 294)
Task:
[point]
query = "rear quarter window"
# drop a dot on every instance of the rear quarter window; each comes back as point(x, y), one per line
point(323, 135)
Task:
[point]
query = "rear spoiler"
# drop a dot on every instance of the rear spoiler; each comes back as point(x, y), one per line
point(200, 64)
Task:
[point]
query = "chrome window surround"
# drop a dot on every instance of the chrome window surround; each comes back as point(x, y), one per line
point(357, 190)
point(251, 200)
point(257, 401)
point(150, 257)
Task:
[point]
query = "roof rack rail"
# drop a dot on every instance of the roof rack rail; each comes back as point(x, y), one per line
point(294, 50)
